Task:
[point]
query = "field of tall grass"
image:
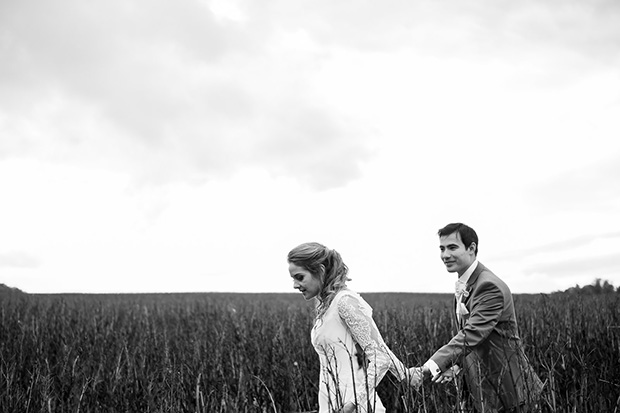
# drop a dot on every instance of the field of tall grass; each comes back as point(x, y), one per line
point(252, 352)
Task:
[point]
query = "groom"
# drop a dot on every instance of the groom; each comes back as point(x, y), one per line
point(487, 347)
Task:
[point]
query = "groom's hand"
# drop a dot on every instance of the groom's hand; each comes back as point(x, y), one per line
point(448, 375)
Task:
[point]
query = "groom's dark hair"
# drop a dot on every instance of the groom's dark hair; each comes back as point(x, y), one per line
point(468, 235)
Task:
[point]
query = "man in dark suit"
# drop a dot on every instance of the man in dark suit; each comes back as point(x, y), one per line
point(487, 349)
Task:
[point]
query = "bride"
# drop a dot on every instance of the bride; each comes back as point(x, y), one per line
point(353, 356)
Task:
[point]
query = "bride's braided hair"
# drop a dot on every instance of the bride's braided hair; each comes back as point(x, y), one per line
point(327, 265)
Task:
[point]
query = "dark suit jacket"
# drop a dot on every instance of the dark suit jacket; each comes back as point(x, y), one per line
point(497, 372)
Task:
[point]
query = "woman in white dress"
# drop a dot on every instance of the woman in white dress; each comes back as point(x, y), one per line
point(354, 358)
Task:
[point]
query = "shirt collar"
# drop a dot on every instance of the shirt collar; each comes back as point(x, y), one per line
point(465, 277)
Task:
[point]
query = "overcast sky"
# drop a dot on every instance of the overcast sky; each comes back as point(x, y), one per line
point(156, 146)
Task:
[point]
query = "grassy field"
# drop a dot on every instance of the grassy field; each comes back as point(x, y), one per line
point(252, 352)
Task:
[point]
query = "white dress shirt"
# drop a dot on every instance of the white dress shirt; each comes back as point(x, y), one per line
point(430, 364)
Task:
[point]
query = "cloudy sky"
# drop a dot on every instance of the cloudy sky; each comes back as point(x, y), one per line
point(156, 146)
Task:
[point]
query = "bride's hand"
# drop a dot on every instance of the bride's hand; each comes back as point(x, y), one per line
point(416, 377)
point(348, 408)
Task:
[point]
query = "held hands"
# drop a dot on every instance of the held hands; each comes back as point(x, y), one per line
point(415, 377)
point(448, 375)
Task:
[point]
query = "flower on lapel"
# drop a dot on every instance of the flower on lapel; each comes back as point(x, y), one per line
point(461, 289)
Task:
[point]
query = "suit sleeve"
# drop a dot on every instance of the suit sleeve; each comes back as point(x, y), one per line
point(487, 307)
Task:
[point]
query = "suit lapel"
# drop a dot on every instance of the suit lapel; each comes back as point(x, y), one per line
point(454, 307)
point(473, 279)
point(465, 299)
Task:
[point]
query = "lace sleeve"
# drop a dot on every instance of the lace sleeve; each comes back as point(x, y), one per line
point(379, 357)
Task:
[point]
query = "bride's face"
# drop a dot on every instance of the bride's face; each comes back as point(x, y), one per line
point(308, 284)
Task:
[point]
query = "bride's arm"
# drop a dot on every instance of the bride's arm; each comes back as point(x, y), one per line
point(379, 357)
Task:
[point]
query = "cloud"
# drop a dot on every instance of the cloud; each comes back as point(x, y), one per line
point(587, 267)
point(591, 185)
point(18, 259)
point(165, 92)
point(106, 108)
point(521, 33)
point(324, 151)
point(563, 245)
point(576, 260)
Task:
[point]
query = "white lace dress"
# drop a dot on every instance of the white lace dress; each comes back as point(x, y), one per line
point(347, 322)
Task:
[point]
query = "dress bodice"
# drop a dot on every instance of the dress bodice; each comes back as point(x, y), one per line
point(353, 355)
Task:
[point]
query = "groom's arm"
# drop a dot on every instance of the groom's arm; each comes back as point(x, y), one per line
point(487, 307)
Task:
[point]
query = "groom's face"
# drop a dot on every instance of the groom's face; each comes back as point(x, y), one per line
point(456, 257)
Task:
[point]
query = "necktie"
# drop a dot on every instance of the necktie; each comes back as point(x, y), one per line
point(460, 291)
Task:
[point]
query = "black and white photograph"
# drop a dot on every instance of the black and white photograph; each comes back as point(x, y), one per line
point(277, 206)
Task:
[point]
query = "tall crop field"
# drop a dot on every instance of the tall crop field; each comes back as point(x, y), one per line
point(252, 352)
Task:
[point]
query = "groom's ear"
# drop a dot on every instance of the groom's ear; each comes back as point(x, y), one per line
point(472, 247)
